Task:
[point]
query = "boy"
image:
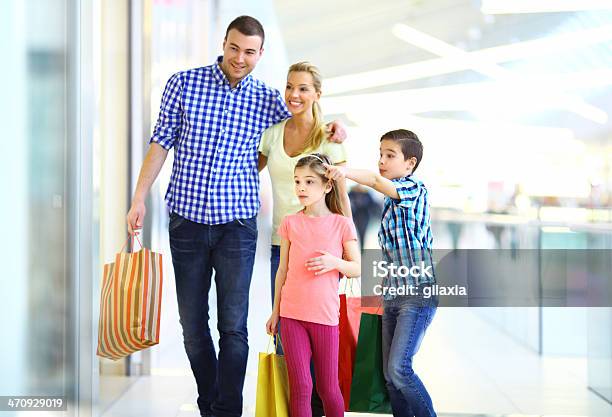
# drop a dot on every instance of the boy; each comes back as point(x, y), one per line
point(405, 239)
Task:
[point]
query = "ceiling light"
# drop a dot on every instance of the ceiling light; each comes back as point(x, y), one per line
point(449, 64)
point(484, 61)
point(491, 69)
point(504, 98)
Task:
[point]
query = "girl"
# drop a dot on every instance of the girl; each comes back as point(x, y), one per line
point(306, 293)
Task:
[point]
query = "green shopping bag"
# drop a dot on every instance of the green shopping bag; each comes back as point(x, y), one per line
point(368, 390)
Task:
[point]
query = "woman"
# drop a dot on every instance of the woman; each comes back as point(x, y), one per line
point(283, 144)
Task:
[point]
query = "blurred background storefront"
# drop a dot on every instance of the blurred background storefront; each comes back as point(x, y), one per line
point(512, 100)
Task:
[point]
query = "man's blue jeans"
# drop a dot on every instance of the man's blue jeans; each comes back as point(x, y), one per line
point(229, 250)
point(404, 323)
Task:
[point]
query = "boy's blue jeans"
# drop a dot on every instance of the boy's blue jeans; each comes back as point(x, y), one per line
point(404, 323)
point(228, 249)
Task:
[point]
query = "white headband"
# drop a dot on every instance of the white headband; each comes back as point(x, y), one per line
point(314, 156)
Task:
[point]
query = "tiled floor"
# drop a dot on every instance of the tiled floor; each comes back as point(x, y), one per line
point(469, 367)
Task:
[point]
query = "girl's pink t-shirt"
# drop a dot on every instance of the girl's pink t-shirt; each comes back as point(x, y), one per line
point(306, 296)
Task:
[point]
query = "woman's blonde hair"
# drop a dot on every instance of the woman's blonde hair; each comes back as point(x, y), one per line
point(317, 133)
point(315, 162)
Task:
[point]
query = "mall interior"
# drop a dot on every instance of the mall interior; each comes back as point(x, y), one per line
point(511, 98)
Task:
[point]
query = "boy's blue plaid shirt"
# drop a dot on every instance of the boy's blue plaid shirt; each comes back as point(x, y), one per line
point(405, 232)
point(215, 131)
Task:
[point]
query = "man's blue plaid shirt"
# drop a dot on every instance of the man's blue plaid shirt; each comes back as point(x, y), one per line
point(405, 232)
point(215, 131)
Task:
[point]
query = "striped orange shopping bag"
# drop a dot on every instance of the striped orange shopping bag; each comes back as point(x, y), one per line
point(130, 303)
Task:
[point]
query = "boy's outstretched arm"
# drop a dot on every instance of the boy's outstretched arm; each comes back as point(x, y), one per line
point(364, 177)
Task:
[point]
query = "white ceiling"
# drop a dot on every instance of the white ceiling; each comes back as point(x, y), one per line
point(345, 37)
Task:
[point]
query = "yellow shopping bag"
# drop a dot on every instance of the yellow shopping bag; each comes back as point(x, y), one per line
point(272, 386)
point(130, 304)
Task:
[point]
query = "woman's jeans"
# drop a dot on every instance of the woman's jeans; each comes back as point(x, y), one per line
point(404, 323)
point(274, 261)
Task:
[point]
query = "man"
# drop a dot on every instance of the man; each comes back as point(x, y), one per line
point(213, 117)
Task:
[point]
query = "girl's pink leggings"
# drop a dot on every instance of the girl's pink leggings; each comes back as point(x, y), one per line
point(302, 341)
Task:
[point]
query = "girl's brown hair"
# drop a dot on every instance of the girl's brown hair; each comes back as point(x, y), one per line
point(315, 162)
point(317, 133)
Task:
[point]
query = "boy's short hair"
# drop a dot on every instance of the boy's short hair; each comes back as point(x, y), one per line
point(409, 142)
point(248, 26)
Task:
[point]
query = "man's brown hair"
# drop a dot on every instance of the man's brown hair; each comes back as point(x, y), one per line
point(248, 26)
